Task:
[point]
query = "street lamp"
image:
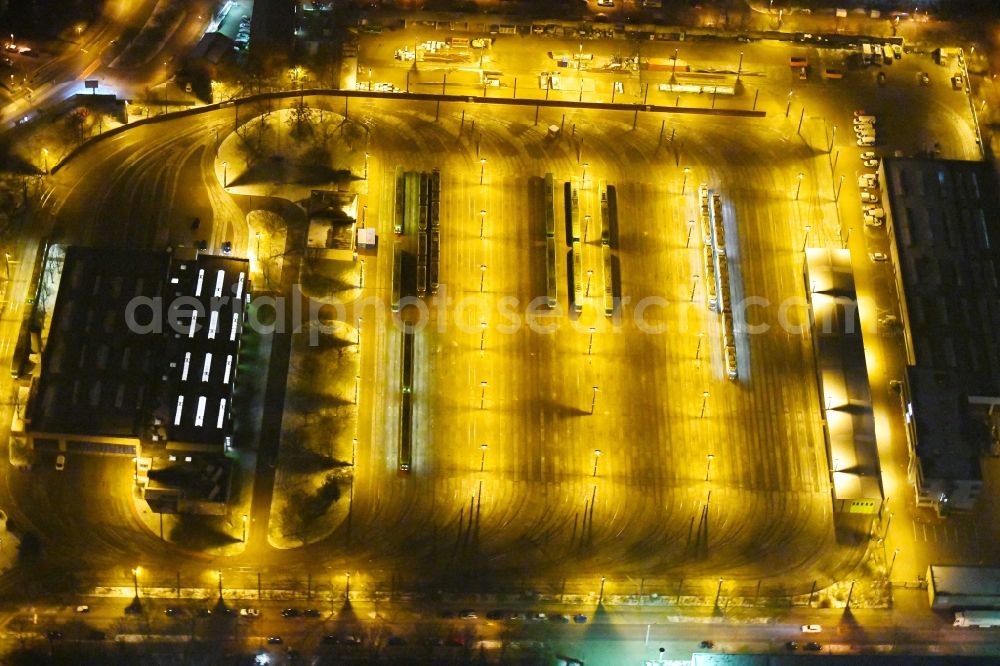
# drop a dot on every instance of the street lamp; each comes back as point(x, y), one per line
point(593, 401)
point(482, 457)
point(850, 592)
point(219, 574)
point(586, 227)
point(347, 587)
point(482, 337)
point(225, 175)
point(357, 387)
point(482, 169)
point(788, 107)
point(590, 274)
point(893, 563)
point(718, 592)
point(684, 184)
point(361, 281)
point(135, 580)
point(708, 469)
point(739, 68)
point(482, 395)
point(366, 166)
point(482, 223)
point(45, 155)
point(694, 287)
point(805, 240)
point(584, 178)
point(482, 276)
point(590, 345)
point(597, 454)
point(600, 597)
point(244, 528)
point(798, 186)
point(704, 403)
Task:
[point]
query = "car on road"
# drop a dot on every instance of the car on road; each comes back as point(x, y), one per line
point(881, 78)
point(468, 615)
point(274, 640)
point(708, 645)
point(957, 81)
point(55, 635)
point(605, 3)
point(580, 618)
point(872, 163)
point(869, 197)
point(496, 614)
point(249, 612)
point(791, 645)
point(291, 612)
point(866, 140)
point(172, 611)
point(558, 618)
point(872, 221)
point(925, 79)
point(396, 640)
point(878, 256)
point(83, 609)
point(874, 211)
point(811, 628)
point(867, 180)
point(60, 462)
point(813, 646)
point(311, 612)
point(536, 617)
point(868, 155)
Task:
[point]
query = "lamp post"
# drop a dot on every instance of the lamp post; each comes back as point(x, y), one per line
point(225, 175)
point(586, 227)
point(893, 563)
point(593, 401)
point(694, 286)
point(482, 457)
point(690, 231)
point(590, 345)
point(364, 215)
point(685, 183)
point(482, 169)
point(600, 597)
point(135, 580)
point(482, 276)
point(482, 394)
point(584, 178)
point(850, 592)
point(887, 523)
point(704, 403)
point(718, 592)
point(798, 186)
point(597, 456)
point(788, 107)
point(45, 156)
point(739, 69)
point(347, 585)
point(697, 351)
point(219, 574)
point(244, 528)
point(482, 337)
point(673, 68)
point(708, 469)
point(361, 281)
point(482, 223)
point(357, 387)
point(839, 185)
point(805, 240)
point(590, 274)
point(366, 164)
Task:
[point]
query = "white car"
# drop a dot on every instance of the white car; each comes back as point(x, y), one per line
point(60, 462)
point(871, 163)
point(878, 256)
point(874, 211)
point(869, 155)
point(811, 628)
point(554, 82)
point(619, 88)
point(869, 197)
point(867, 180)
point(872, 221)
point(605, 3)
point(249, 612)
point(864, 120)
point(866, 140)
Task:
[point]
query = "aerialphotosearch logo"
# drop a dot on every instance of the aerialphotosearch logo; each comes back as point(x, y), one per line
point(466, 314)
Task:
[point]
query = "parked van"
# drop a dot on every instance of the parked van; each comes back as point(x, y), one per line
point(832, 73)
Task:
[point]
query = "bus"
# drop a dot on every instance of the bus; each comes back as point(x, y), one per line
point(397, 274)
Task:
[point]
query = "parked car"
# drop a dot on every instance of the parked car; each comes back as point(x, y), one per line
point(866, 140)
point(814, 646)
point(874, 211)
point(60, 462)
point(811, 628)
point(290, 612)
point(869, 197)
point(274, 640)
point(537, 617)
point(55, 635)
point(868, 155)
point(249, 612)
point(791, 645)
point(496, 614)
point(872, 163)
point(83, 609)
point(867, 180)
point(925, 78)
point(580, 618)
point(468, 615)
point(311, 612)
point(558, 618)
point(872, 221)
point(171, 611)
point(708, 645)
point(878, 256)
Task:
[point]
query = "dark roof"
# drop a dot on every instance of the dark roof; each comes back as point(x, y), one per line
point(96, 370)
point(946, 435)
point(945, 218)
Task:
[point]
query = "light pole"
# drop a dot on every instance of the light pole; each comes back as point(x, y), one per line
point(244, 528)
point(833, 137)
point(347, 585)
point(850, 592)
point(219, 573)
point(694, 286)
point(586, 227)
point(690, 231)
point(482, 276)
point(685, 183)
point(225, 175)
point(590, 274)
point(697, 351)
point(708, 469)
point(359, 334)
point(704, 403)
point(739, 69)
point(482, 395)
point(597, 456)
point(135, 580)
point(798, 186)
point(482, 169)
point(45, 155)
point(590, 345)
point(357, 387)
point(482, 457)
point(839, 185)
point(788, 107)
point(718, 593)
point(482, 223)
point(805, 240)
point(600, 597)
point(584, 178)
point(364, 215)
point(482, 337)
point(366, 163)
point(887, 523)
point(893, 563)
point(673, 69)
point(593, 401)
point(361, 281)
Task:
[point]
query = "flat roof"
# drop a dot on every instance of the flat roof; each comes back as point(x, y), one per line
point(975, 581)
point(947, 441)
point(96, 369)
point(204, 301)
